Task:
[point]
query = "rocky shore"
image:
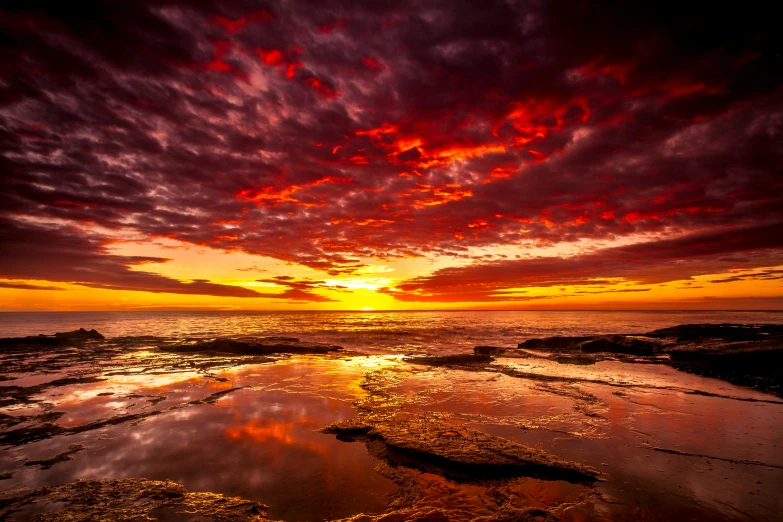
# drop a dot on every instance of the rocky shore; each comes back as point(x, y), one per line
point(743, 354)
point(440, 428)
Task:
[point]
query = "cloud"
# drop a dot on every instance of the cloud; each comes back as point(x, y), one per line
point(325, 135)
point(652, 262)
point(764, 275)
point(67, 255)
point(298, 289)
point(27, 286)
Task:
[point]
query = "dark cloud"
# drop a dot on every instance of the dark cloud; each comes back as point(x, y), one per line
point(64, 254)
point(26, 286)
point(643, 264)
point(763, 275)
point(320, 134)
point(298, 289)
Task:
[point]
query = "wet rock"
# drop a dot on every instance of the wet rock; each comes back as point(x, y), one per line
point(213, 398)
point(488, 350)
point(125, 499)
point(76, 336)
point(723, 331)
point(429, 443)
point(45, 430)
point(555, 344)
point(469, 360)
point(62, 457)
point(759, 368)
point(262, 346)
point(582, 360)
point(744, 354)
point(627, 344)
point(512, 514)
point(80, 334)
point(17, 394)
point(29, 434)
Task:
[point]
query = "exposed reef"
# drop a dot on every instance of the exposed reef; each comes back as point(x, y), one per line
point(488, 350)
point(463, 360)
point(261, 346)
point(499, 434)
point(61, 457)
point(744, 354)
point(76, 336)
point(429, 443)
point(124, 499)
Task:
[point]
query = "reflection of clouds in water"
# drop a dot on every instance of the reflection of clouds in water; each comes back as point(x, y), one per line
point(252, 443)
point(261, 442)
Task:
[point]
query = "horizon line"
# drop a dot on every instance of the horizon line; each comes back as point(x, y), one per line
point(401, 310)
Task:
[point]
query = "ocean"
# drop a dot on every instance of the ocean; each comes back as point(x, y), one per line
point(433, 332)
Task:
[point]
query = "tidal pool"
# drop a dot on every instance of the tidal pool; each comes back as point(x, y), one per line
point(664, 445)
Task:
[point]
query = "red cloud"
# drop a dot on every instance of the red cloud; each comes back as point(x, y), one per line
point(270, 137)
point(232, 26)
point(653, 262)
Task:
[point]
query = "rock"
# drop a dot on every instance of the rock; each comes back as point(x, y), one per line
point(128, 499)
point(555, 344)
point(80, 334)
point(627, 344)
point(429, 443)
point(581, 360)
point(744, 354)
point(465, 359)
point(62, 457)
point(488, 350)
point(262, 346)
point(76, 336)
point(724, 331)
point(760, 368)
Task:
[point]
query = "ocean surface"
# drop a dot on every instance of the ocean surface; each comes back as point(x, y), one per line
point(374, 332)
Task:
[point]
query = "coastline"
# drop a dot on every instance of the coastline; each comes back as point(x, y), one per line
point(497, 427)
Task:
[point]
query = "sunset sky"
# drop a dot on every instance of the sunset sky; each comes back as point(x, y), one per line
point(433, 154)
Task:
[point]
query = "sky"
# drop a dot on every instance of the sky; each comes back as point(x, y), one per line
point(428, 154)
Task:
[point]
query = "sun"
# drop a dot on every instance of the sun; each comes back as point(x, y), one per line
point(367, 309)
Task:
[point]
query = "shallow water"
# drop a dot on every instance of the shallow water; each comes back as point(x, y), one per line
point(668, 445)
point(373, 332)
point(259, 443)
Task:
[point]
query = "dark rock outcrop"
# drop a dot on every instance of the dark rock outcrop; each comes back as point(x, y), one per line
point(60, 338)
point(554, 344)
point(262, 346)
point(79, 335)
point(727, 332)
point(744, 354)
point(431, 444)
point(466, 360)
point(627, 344)
point(581, 360)
point(127, 499)
point(488, 350)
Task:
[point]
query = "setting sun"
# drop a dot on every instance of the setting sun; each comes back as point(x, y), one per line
point(565, 217)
